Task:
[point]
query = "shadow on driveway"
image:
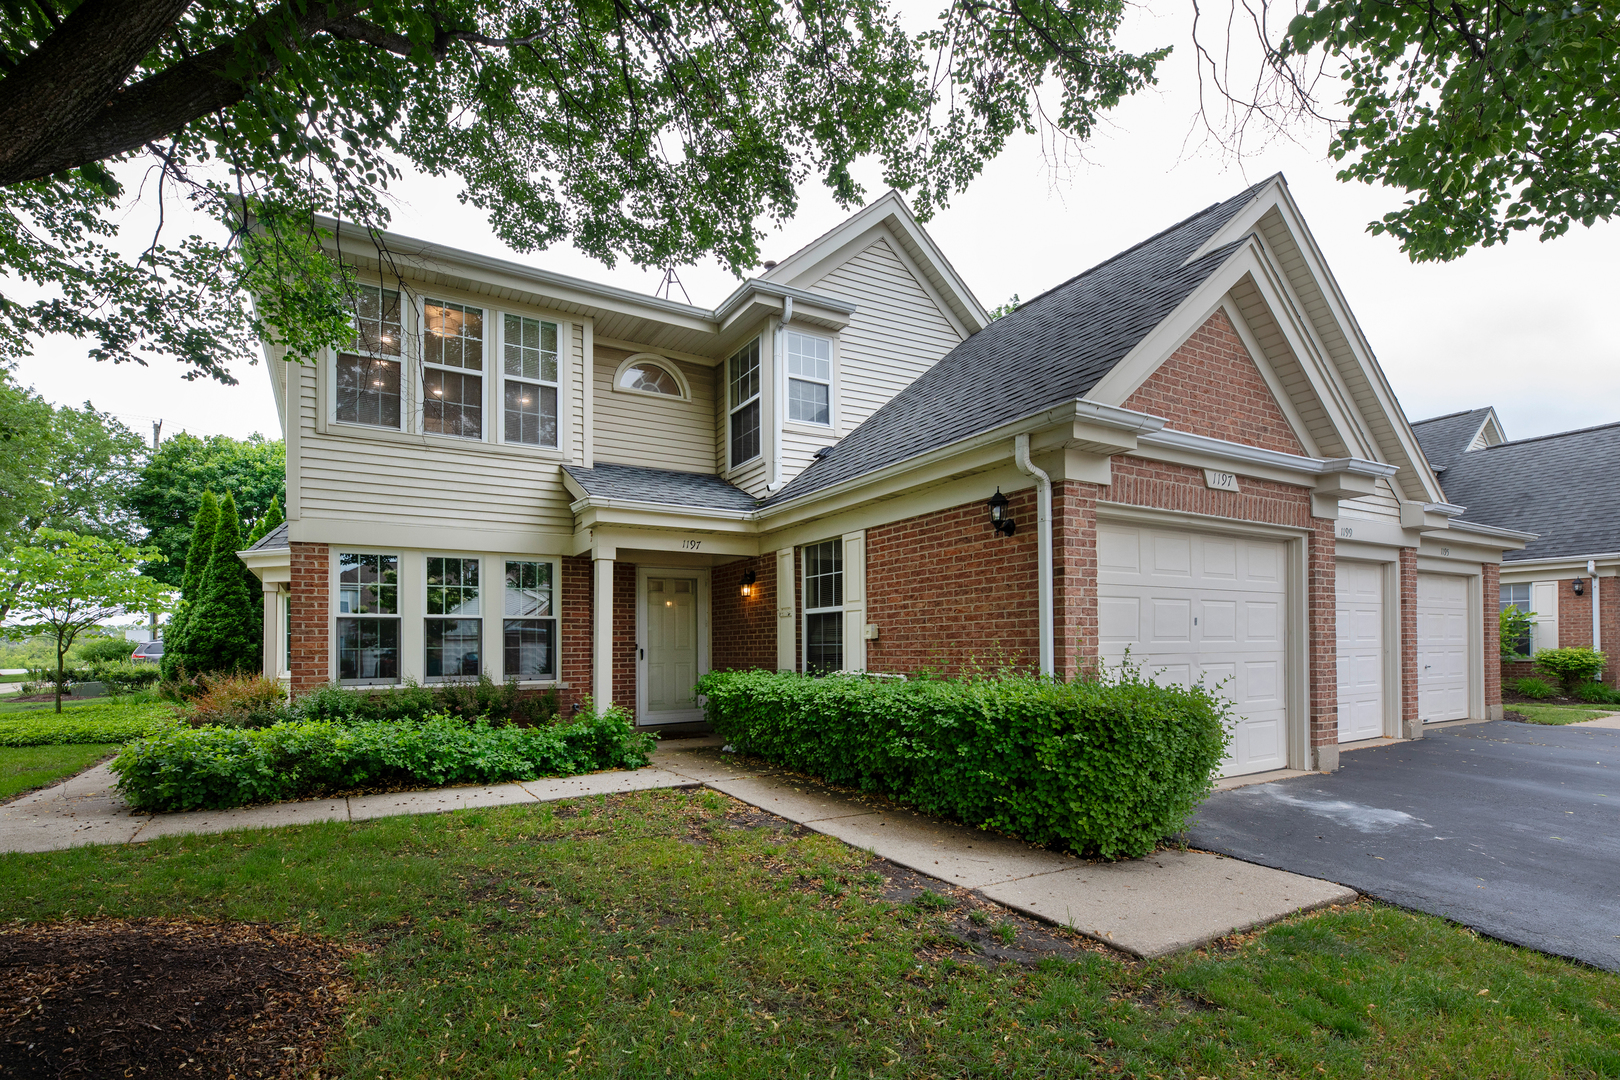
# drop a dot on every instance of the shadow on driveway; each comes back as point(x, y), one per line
point(1512, 829)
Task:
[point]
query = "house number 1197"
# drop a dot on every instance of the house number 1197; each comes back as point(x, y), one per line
point(691, 545)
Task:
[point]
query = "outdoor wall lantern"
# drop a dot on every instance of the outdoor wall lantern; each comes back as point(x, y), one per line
point(748, 579)
point(1580, 586)
point(998, 514)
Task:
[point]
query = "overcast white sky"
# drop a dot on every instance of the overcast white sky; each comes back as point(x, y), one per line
point(1521, 327)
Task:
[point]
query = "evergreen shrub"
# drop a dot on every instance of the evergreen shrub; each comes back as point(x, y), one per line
point(1573, 666)
point(123, 677)
point(468, 699)
point(217, 767)
point(1102, 766)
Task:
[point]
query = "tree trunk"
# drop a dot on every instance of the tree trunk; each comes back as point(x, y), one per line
point(61, 652)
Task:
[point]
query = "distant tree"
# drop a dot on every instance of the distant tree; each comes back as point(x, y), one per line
point(171, 486)
point(223, 628)
point(69, 582)
point(177, 658)
point(271, 519)
point(1005, 309)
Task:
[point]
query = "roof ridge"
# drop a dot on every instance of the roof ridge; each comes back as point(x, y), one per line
point(1451, 415)
point(1552, 435)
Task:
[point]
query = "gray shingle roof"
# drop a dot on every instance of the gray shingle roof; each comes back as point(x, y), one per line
point(1445, 438)
point(637, 483)
point(1565, 487)
point(1053, 349)
point(275, 538)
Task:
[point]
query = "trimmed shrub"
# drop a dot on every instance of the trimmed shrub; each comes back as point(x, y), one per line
point(216, 767)
point(1107, 767)
point(104, 650)
point(1534, 688)
point(238, 701)
point(1595, 693)
point(1573, 666)
point(124, 677)
point(469, 700)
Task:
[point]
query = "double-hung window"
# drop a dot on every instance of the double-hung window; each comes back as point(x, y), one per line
point(743, 372)
point(368, 618)
point(1519, 596)
point(530, 380)
point(529, 631)
point(452, 373)
point(824, 606)
point(809, 368)
point(453, 629)
point(368, 378)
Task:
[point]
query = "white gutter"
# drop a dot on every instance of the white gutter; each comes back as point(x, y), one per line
point(779, 395)
point(1043, 533)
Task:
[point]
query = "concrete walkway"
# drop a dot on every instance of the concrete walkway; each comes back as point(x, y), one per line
point(1146, 907)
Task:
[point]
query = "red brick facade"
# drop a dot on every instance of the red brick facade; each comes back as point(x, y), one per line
point(1491, 586)
point(1410, 718)
point(1211, 386)
point(624, 636)
point(310, 664)
point(1074, 577)
point(948, 592)
point(1575, 625)
point(576, 619)
point(743, 629)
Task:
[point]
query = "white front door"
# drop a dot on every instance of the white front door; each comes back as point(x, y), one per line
point(1442, 647)
point(1360, 617)
point(1200, 606)
point(670, 656)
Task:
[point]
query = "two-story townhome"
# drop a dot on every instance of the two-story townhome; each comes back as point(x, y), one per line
point(1186, 454)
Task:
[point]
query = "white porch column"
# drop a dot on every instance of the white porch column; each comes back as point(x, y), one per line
point(602, 644)
point(273, 630)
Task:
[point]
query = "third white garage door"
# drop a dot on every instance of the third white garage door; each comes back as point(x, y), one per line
point(1442, 647)
point(1191, 605)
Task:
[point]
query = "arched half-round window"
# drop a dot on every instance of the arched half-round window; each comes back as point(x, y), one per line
point(648, 374)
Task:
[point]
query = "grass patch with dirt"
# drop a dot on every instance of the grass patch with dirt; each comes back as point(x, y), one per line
point(24, 768)
point(684, 934)
point(1533, 713)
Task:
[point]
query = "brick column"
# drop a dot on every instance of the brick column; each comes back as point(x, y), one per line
point(311, 661)
point(575, 648)
point(1491, 586)
point(1322, 599)
point(624, 636)
point(1074, 578)
point(1411, 724)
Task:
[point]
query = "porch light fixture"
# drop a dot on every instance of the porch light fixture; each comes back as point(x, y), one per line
point(1580, 586)
point(998, 514)
point(748, 579)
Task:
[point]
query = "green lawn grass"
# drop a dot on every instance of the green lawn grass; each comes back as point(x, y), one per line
point(1558, 714)
point(647, 935)
point(99, 720)
point(23, 768)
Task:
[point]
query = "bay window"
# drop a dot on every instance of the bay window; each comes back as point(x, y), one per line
point(368, 618)
point(453, 631)
point(453, 365)
point(529, 366)
point(824, 607)
point(743, 378)
point(529, 630)
point(809, 368)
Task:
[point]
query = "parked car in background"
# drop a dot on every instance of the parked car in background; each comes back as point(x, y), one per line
point(147, 652)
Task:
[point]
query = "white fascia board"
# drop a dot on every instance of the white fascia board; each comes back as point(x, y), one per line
point(1563, 560)
point(604, 511)
point(1243, 455)
point(777, 291)
point(1513, 539)
point(268, 564)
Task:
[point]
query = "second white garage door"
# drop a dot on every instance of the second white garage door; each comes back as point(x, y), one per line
point(1442, 647)
point(1360, 625)
point(1199, 606)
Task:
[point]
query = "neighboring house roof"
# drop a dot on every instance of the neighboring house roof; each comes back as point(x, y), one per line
point(275, 538)
point(1053, 349)
point(1564, 487)
point(667, 487)
point(1445, 438)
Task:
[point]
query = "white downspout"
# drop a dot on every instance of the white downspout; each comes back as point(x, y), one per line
point(1043, 532)
point(778, 394)
point(1597, 635)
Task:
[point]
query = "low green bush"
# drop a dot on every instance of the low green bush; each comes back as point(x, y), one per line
point(1595, 693)
point(214, 767)
point(123, 677)
point(1572, 666)
point(1107, 767)
point(1533, 688)
point(240, 701)
point(104, 650)
point(97, 722)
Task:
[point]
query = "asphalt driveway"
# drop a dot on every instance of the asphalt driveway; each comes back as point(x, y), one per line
point(1513, 829)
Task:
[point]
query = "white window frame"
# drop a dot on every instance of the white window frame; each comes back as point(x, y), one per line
point(664, 362)
point(401, 358)
point(483, 374)
point(556, 617)
point(501, 378)
point(482, 559)
point(838, 608)
point(335, 613)
point(790, 377)
point(732, 408)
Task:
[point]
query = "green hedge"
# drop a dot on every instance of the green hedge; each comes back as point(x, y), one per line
point(216, 767)
point(1103, 767)
point(98, 722)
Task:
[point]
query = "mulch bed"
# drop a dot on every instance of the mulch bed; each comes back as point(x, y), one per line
point(161, 998)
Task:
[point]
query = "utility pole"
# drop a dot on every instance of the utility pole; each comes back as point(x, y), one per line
point(157, 435)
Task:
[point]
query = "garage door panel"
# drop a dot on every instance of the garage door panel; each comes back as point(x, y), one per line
point(1193, 605)
point(1443, 647)
point(1359, 638)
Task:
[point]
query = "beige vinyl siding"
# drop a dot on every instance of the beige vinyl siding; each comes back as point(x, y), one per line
point(645, 429)
point(897, 334)
point(1382, 504)
point(576, 390)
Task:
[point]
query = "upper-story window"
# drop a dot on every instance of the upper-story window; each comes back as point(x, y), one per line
point(368, 379)
point(452, 379)
point(743, 372)
point(809, 368)
point(649, 377)
point(530, 387)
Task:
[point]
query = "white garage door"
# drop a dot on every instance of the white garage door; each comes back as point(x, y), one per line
point(1361, 650)
point(1196, 606)
point(1442, 646)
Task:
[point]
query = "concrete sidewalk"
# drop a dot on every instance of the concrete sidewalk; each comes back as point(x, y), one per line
point(1145, 907)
